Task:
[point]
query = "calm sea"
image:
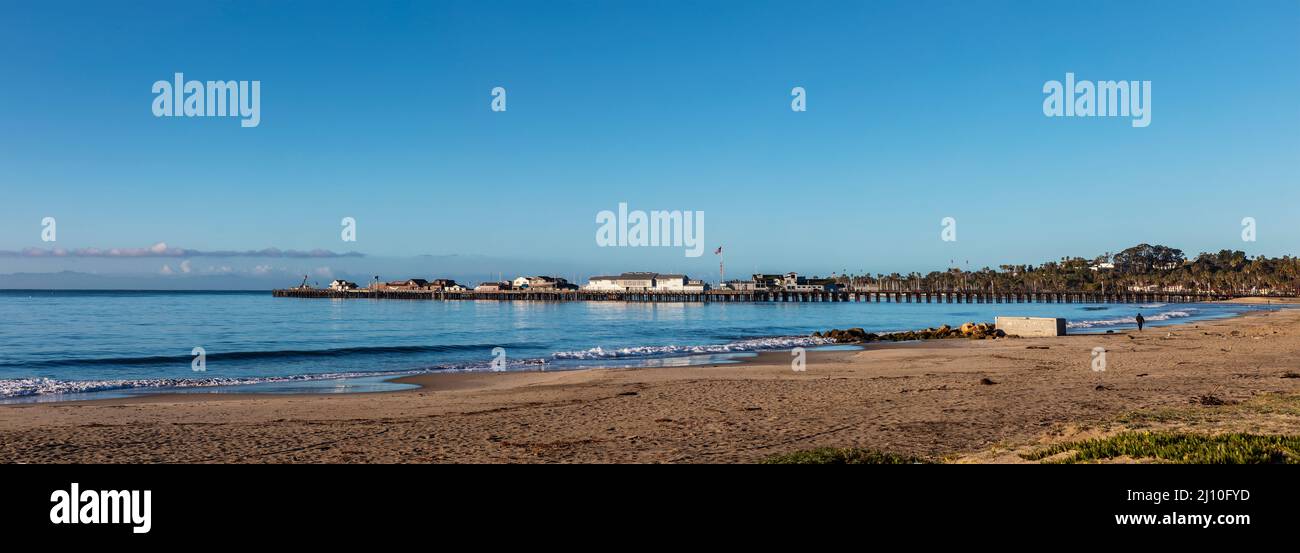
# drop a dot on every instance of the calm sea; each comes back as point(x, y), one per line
point(64, 344)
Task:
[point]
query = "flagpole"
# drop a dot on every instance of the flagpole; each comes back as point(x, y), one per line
point(722, 272)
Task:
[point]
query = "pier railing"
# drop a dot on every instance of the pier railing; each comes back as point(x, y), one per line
point(779, 296)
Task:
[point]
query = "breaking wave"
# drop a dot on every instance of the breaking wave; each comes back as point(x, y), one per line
point(1165, 316)
point(755, 344)
point(24, 387)
point(257, 355)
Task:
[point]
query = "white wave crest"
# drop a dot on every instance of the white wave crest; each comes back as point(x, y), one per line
point(22, 387)
point(756, 344)
point(1128, 320)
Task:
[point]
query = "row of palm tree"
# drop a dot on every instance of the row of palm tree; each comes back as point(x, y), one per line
point(1141, 268)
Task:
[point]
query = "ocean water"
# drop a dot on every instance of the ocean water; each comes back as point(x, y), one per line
point(59, 345)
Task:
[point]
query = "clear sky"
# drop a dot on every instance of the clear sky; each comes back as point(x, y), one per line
point(916, 111)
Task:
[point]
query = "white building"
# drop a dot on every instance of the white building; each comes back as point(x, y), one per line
point(695, 285)
point(603, 284)
point(625, 282)
point(678, 283)
point(645, 282)
point(669, 283)
point(342, 285)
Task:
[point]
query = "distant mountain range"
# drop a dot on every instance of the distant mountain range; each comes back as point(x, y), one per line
point(71, 280)
point(240, 274)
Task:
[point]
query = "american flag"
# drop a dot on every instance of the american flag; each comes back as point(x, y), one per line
point(718, 251)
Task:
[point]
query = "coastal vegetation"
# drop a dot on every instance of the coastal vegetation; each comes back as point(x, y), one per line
point(1176, 447)
point(1142, 267)
point(1158, 447)
point(1259, 430)
point(844, 456)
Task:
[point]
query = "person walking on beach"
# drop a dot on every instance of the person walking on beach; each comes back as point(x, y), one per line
point(1140, 321)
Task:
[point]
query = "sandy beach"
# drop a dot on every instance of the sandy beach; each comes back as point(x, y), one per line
point(948, 400)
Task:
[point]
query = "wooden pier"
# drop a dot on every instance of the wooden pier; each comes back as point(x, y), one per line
point(775, 296)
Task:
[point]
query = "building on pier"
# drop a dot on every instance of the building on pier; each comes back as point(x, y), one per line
point(790, 282)
point(740, 285)
point(419, 284)
point(678, 283)
point(444, 285)
point(645, 282)
point(542, 283)
point(342, 285)
point(408, 284)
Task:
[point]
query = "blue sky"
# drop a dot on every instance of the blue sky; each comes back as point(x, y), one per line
point(380, 111)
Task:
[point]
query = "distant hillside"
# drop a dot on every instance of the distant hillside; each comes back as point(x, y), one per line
point(70, 280)
point(1141, 267)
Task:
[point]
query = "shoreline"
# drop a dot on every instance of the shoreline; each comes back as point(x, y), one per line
point(228, 390)
point(928, 399)
point(1281, 300)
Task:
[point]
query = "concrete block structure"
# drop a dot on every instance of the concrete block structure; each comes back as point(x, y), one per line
point(1030, 327)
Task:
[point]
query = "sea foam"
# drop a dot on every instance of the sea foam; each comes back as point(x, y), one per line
point(1129, 320)
point(755, 344)
point(26, 387)
point(23, 387)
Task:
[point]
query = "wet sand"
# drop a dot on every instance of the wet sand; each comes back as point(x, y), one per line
point(930, 399)
point(1263, 301)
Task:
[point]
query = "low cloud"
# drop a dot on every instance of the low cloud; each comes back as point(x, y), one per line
point(162, 250)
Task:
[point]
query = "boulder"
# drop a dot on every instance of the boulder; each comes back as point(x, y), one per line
point(850, 336)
